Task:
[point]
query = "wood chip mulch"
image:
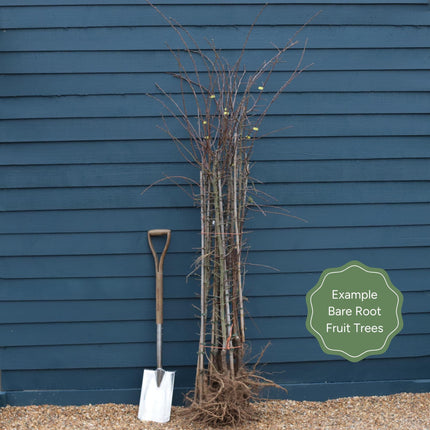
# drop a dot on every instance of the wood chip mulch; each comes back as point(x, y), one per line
point(399, 411)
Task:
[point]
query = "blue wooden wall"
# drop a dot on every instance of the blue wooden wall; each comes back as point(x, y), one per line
point(79, 143)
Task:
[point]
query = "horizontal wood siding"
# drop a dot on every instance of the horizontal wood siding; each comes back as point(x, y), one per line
point(80, 143)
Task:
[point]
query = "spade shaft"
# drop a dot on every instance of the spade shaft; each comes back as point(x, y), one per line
point(159, 263)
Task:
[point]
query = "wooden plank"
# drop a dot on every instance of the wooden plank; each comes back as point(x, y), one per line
point(121, 288)
point(316, 261)
point(160, 61)
point(346, 170)
point(90, 356)
point(186, 241)
point(337, 238)
point(302, 148)
point(177, 287)
point(141, 174)
point(82, 333)
point(80, 379)
point(315, 238)
point(129, 106)
point(285, 373)
point(154, 38)
point(279, 284)
point(180, 353)
point(105, 15)
point(310, 392)
point(300, 392)
point(296, 305)
point(384, 369)
point(93, 152)
point(88, 175)
point(93, 266)
point(142, 83)
point(125, 220)
point(40, 130)
point(173, 196)
point(198, 2)
point(107, 220)
point(80, 198)
point(323, 391)
point(95, 332)
point(93, 243)
point(82, 397)
point(267, 149)
point(288, 193)
point(91, 310)
point(143, 310)
point(122, 220)
point(180, 264)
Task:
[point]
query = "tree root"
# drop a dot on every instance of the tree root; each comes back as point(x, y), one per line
point(227, 400)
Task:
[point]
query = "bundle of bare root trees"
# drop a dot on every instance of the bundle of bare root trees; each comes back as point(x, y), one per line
point(223, 120)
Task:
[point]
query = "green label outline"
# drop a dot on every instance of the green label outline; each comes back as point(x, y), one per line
point(311, 312)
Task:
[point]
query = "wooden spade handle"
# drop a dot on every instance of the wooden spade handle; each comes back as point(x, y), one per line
point(159, 271)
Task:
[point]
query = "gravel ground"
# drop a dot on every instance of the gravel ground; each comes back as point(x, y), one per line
point(398, 411)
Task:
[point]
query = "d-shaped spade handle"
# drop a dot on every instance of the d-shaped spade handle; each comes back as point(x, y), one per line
point(159, 271)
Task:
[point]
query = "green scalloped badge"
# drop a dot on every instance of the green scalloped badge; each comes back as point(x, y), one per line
point(354, 311)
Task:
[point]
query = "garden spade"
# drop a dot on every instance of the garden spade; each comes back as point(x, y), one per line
point(157, 385)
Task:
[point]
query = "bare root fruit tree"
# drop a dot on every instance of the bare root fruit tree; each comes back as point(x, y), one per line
point(222, 123)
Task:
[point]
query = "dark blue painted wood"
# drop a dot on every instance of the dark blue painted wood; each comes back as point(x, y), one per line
point(144, 331)
point(133, 310)
point(300, 373)
point(124, 220)
point(103, 310)
point(315, 391)
point(286, 148)
point(293, 373)
point(143, 106)
point(320, 392)
point(259, 263)
point(45, 176)
point(210, 14)
point(76, 278)
point(386, 369)
point(147, 61)
point(183, 353)
point(101, 288)
point(84, 379)
point(293, 125)
point(142, 83)
point(258, 240)
point(198, 2)
point(226, 37)
point(172, 196)
point(109, 288)
point(180, 264)
point(81, 397)
point(324, 391)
